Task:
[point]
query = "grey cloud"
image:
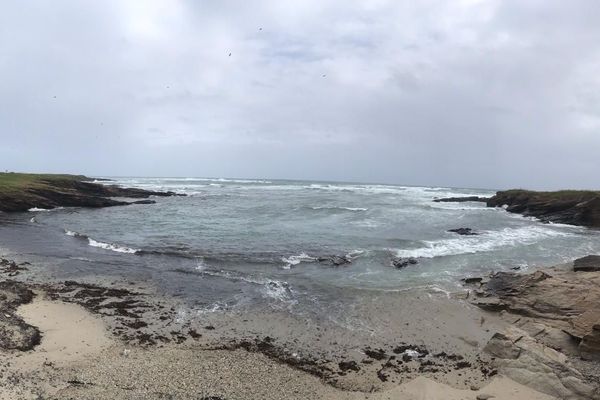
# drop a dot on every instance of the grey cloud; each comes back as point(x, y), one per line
point(467, 93)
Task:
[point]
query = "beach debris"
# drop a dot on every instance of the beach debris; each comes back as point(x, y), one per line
point(125, 352)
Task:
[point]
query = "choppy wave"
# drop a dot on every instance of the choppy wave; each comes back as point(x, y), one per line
point(339, 208)
point(107, 246)
point(482, 243)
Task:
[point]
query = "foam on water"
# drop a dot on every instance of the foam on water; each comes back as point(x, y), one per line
point(297, 259)
point(484, 242)
point(106, 246)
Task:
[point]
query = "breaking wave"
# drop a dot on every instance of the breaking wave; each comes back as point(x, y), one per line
point(106, 246)
point(482, 243)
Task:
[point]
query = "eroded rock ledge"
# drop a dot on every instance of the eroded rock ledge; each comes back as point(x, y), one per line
point(553, 343)
point(21, 192)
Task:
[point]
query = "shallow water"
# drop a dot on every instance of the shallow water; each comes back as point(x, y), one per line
point(232, 242)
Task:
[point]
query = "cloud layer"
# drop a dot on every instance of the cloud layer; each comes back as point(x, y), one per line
point(465, 93)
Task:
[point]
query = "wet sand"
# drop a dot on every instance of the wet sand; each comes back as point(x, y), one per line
point(105, 339)
point(78, 358)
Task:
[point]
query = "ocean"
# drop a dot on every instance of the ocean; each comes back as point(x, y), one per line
point(237, 243)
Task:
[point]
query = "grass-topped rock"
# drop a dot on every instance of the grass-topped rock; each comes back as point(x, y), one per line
point(21, 192)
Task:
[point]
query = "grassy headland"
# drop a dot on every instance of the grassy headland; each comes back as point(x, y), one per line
point(20, 192)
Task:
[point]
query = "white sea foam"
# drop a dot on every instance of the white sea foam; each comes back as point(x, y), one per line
point(297, 259)
point(482, 243)
point(339, 208)
point(112, 247)
point(36, 209)
point(102, 245)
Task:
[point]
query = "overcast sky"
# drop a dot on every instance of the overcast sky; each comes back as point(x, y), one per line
point(464, 93)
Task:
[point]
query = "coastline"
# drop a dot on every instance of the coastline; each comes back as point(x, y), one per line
point(105, 333)
point(128, 337)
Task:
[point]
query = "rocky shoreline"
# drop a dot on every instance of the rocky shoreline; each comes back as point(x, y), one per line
point(149, 328)
point(570, 207)
point(553, 341)
point(21, 192)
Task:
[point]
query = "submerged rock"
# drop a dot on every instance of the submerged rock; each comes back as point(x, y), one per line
point(335, 261)
point(464, 231)
point(402, 262)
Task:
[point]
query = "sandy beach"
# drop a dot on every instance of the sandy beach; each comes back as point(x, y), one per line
point(79, 359)
point(96, 343)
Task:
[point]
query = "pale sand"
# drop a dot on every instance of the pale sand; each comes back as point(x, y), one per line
point(76, 347)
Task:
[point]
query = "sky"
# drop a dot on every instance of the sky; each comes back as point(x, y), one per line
point(466, 93)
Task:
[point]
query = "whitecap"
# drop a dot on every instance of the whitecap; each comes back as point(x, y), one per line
point(297, 259)
point(339, 208)
point(102, 245)
point(37, 209)
point(485, 242)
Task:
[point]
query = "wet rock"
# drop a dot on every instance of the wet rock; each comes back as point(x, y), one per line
point(403, 262)
point(587, 264)
point(15, 334)
point(461, 199)
point(567, 207)
point(335, 261)
point(473, 280)
point(144, 202)
point(464, 231)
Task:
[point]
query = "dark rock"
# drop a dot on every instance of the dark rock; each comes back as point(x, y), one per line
point(470, 281)
point(349, 366)
point(51, 191)
point(15, 334)
point(144, 202)
point(587, 264)
point(566, 207)
point(335, 261)
point(403, 262)
point(464, 231)
point(377, 354)
point(461, 199)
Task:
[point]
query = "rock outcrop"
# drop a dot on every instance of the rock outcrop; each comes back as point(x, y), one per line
point(566, 207)
point(463, 231)
point(21, 192)
point(555, 328)
point(588, 263)
point(461, 199)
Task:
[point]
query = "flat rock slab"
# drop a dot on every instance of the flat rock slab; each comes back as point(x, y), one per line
point(587, 264)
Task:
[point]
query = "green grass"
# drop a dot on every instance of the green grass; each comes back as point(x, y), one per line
point(556, 195)
point(11, 183)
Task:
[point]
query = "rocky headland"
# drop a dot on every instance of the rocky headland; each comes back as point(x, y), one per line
point(572, 207)
point(21, 192)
